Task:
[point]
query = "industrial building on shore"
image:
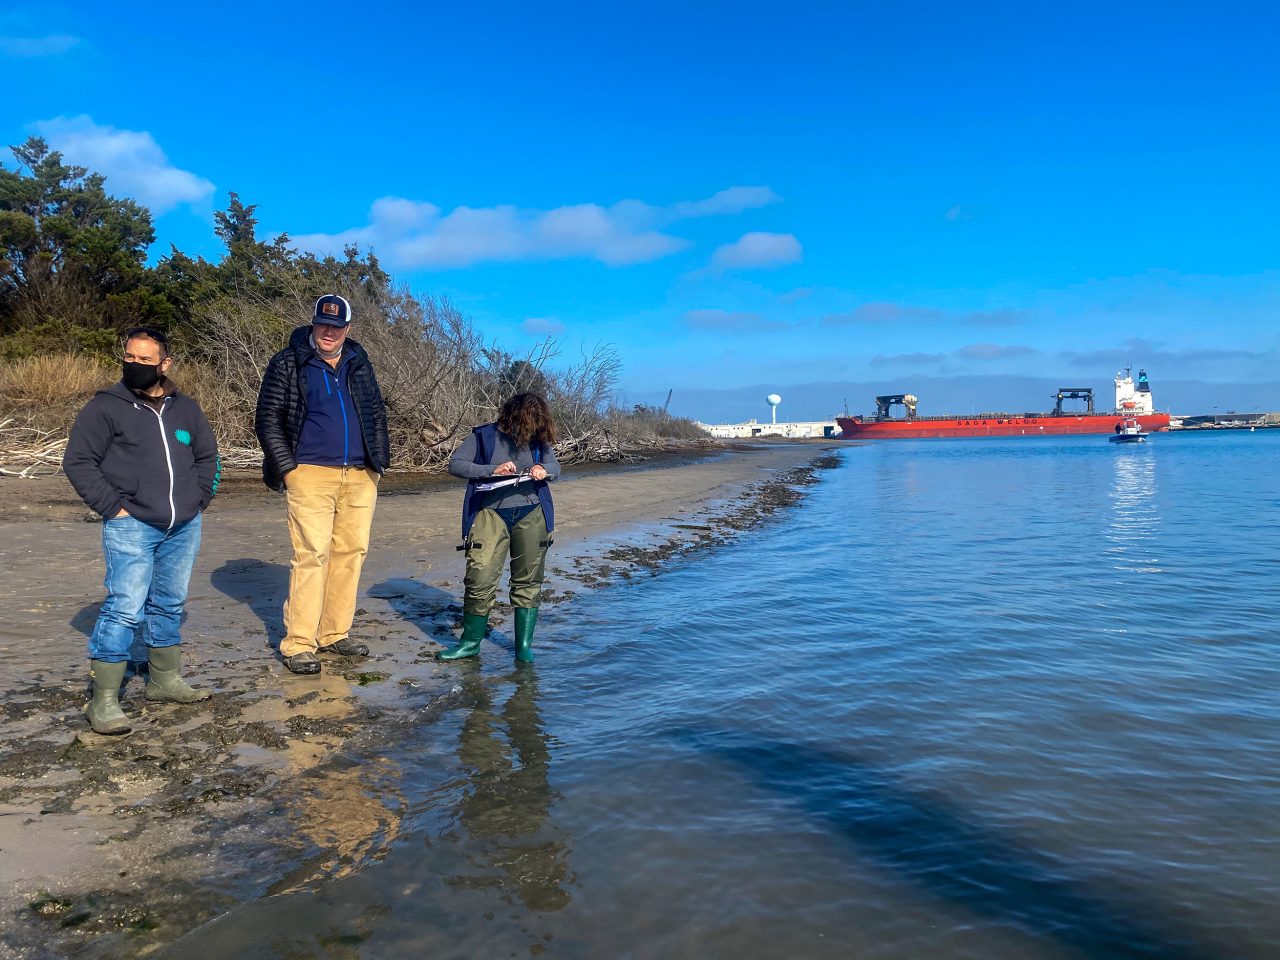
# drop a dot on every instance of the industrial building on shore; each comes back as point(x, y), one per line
point(795, 430)
point(1226, 421)
point(753, 428)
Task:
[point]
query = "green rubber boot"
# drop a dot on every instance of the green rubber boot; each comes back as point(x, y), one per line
point(166, 678)
point(474, 626)
point(526, 618)
point(103, 711)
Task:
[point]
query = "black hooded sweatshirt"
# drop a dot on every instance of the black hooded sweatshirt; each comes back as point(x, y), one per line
point(161, 465)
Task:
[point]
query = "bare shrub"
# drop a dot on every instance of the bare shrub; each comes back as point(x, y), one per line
point(438, 375)
point(430, 364)
point(228, 406)
point(643, 422)
point(220, 364)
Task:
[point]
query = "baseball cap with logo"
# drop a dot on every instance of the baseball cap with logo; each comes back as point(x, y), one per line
point(333, 310)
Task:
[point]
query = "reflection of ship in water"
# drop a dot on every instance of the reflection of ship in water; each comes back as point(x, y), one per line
point(1135, 515)
point(506, 756)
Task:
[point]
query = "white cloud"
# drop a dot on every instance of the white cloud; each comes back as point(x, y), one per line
point(881, 312)
point(50, 45)
point(997, 318)
point(715, 319)
point(131, 160)
point(993, 351)
point(1149, 351)
point(757, 251)
point(956, 213)
point(543, 326)
point(732, 200)
point(907, 359)
point(418, 235)
point(732, 321)
point(796, 295)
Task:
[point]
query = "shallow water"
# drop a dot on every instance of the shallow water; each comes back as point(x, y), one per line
point(996, 699)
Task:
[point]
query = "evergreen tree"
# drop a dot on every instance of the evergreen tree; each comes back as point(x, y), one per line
point(74, 257)
point(74, 271)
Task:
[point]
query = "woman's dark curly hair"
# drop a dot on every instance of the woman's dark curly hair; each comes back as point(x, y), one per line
point(526, 417)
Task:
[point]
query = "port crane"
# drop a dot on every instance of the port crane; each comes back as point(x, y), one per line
point(1073, 393)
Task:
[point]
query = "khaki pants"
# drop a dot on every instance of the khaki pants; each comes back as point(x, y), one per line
point(330, 513)
point(491, 541)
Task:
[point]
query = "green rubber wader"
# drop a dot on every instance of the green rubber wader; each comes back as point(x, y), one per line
point(491, 543)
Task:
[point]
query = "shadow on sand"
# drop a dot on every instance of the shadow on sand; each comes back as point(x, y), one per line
point(86, 618)
point(434, 612)
point(260, 586)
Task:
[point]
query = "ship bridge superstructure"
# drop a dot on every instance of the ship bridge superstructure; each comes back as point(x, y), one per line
point(1133, 399)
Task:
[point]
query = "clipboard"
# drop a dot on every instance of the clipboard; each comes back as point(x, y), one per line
point(497, 483)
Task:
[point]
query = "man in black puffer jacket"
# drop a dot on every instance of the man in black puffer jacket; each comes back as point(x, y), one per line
point(322, 424)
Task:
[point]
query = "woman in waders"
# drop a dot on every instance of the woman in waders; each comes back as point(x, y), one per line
point(506, 510)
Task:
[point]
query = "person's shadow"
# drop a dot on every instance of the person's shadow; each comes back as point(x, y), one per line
point(432, 610)
point(260, 586)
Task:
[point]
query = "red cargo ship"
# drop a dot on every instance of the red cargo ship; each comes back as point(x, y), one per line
point(1132, 401)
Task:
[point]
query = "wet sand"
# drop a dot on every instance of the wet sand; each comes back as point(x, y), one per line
point(115, 847)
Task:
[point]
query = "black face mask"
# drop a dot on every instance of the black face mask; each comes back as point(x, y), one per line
point(141, 376)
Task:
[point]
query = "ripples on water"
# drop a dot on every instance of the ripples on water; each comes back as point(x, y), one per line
point(989, 699)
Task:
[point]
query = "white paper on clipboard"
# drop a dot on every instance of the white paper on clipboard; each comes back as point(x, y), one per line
point(499, 484)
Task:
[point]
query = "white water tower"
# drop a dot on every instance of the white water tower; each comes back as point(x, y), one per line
point(773, 400)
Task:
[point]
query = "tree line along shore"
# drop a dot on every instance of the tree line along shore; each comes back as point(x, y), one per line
point(74, 275)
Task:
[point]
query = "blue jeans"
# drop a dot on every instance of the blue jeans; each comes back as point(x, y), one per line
point(148, 570)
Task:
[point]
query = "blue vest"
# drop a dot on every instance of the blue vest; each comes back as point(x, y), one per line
point(486, 437)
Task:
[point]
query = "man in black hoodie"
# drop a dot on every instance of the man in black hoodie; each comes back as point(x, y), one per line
point(322, 424)
point(143, 456)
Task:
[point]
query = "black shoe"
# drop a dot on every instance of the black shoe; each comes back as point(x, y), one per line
point(303, 663)
point(346, 647)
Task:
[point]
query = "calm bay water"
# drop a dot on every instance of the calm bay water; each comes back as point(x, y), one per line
point(988, 699)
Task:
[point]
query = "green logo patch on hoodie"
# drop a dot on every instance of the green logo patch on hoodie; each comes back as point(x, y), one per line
point(183, 436)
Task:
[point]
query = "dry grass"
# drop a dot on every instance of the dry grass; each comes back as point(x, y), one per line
point(54, 380)
point(39, 397)
point(44, 393)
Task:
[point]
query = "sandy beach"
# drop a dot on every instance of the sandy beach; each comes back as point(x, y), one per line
point(117, 846)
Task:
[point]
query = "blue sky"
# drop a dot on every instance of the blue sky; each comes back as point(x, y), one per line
point(822, 199)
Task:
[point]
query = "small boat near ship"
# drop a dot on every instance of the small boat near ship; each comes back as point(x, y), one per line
point(1133, 401)
point(1128, 430)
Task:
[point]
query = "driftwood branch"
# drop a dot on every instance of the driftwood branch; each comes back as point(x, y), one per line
point(27, 451)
